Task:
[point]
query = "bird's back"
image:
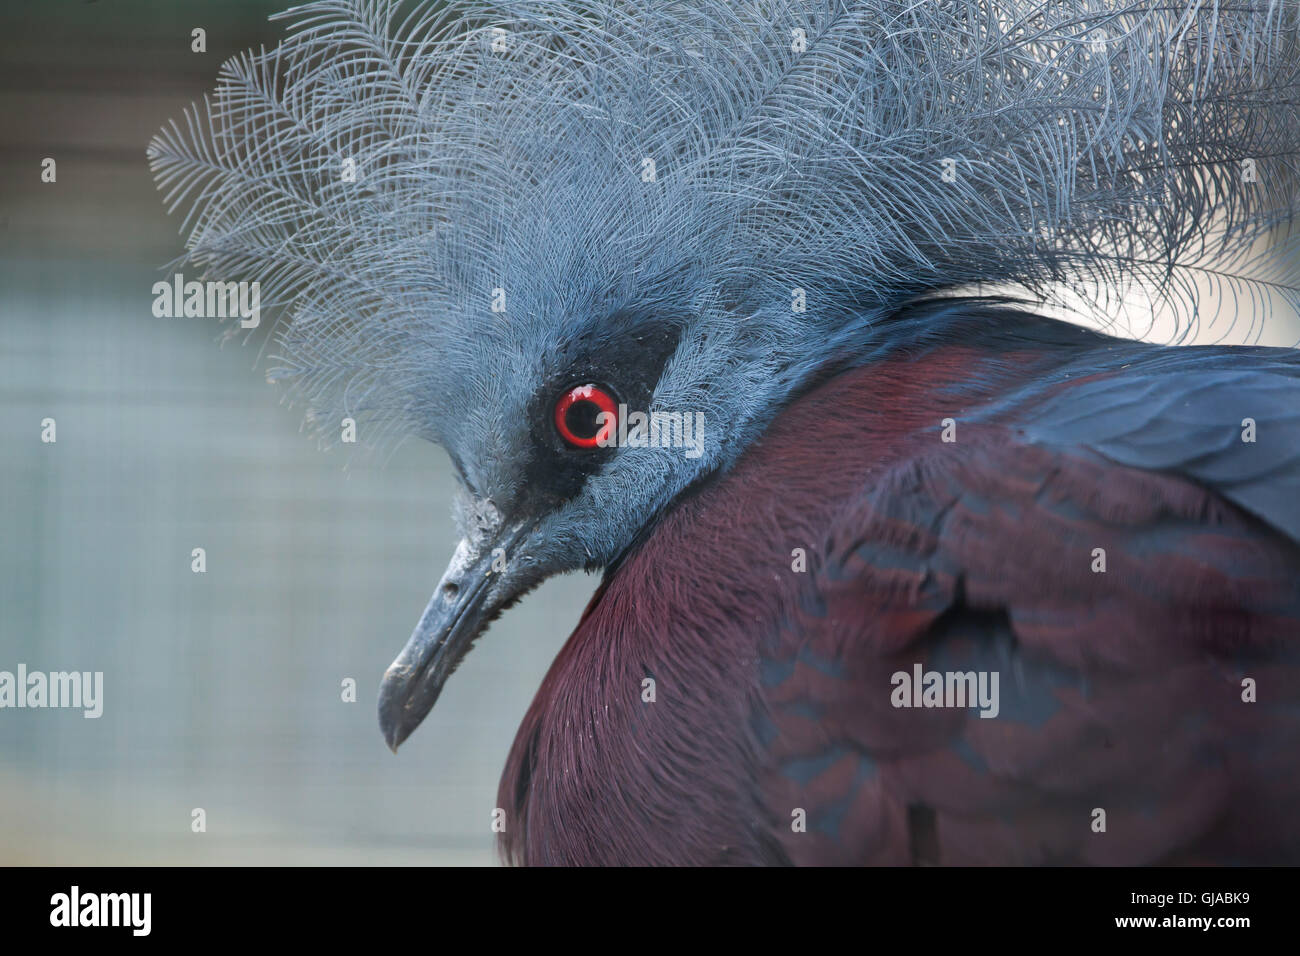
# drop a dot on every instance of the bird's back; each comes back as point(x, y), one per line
point(1130, 619)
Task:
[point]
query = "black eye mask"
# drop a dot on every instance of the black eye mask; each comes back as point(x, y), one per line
point(627, 366)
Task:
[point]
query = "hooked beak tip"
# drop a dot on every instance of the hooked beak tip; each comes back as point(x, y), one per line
point(392, 710)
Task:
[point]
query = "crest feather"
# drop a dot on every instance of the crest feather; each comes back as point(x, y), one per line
point(591, 157)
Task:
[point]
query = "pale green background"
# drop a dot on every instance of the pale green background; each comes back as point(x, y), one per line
point(222, 689)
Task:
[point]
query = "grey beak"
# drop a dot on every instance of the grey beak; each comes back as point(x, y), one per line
point(456, 614)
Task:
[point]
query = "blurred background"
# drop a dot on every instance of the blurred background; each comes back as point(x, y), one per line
point(222, 689)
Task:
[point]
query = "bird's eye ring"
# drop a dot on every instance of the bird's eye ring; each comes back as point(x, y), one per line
point(586, 416)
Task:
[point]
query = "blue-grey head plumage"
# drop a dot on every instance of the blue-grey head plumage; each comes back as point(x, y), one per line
point(454, 204)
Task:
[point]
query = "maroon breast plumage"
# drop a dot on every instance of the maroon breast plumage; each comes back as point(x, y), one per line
point(724, 700)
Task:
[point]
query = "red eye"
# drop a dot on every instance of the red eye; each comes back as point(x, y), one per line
point(577, 416)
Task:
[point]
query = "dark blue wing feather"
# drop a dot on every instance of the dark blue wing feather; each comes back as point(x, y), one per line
point(1186, 411)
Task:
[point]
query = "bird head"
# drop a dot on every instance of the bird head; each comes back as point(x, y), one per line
point(511, 228)
point(569, 443)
